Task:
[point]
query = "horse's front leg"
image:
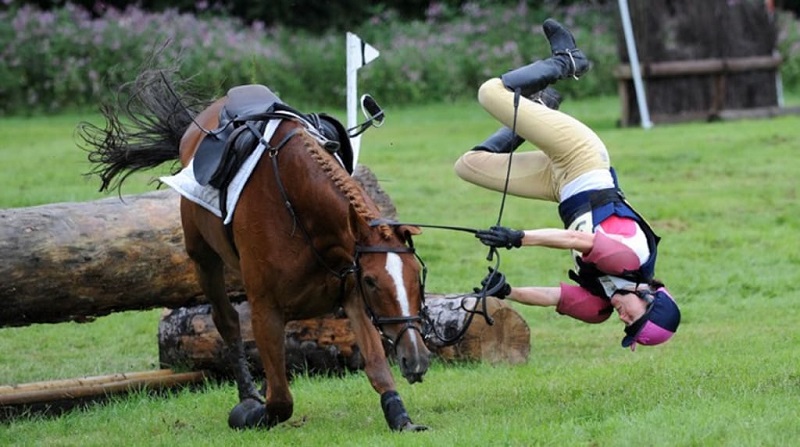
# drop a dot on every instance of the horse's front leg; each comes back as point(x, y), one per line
point(268, 331)
point(377, 368)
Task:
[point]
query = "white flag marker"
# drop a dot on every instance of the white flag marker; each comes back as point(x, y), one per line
point(359, 53)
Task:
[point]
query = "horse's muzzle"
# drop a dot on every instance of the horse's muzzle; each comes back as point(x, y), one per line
point(414, 359)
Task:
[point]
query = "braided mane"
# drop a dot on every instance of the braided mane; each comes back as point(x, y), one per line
point(345, 183)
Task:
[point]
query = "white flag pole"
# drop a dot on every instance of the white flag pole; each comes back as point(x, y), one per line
point(359, 53)
point(630, 42)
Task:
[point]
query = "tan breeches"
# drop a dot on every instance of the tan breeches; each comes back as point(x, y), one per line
point(567, 148)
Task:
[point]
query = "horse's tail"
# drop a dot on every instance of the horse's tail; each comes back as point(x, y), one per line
point(142, 131)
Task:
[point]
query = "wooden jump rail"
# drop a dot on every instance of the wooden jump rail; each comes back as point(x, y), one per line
point(700, 67)
point(67, 393)
point(718, 69)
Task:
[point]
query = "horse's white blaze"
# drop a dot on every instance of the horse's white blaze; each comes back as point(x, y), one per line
point(394, 266)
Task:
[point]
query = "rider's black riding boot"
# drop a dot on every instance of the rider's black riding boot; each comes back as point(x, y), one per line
point(566, 61)
point(504, 141)
point(548, 97)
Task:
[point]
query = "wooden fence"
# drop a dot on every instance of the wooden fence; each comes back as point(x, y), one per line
point(705, 60)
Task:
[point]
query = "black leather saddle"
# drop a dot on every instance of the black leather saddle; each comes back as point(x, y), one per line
point(242, 121)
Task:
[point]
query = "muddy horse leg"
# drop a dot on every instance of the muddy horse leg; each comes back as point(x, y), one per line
point(377, 368)
point(210, 274)
point(268, 331)
point(226, 320)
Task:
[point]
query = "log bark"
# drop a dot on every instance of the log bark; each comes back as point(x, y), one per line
point(78, 261)
point(506, 340)
point(187, 339)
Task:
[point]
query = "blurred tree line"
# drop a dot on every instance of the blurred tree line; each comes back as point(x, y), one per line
point(319, 16)
point(315, 16)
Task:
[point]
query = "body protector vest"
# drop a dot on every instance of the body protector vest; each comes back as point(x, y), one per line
point(584, 212)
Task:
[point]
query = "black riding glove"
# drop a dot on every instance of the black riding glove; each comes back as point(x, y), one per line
point(498, 236)
point(495, 284)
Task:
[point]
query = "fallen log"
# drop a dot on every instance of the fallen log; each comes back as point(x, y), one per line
point(78, 261)
point(60, 395)
point(187, 338)
point(505, 338)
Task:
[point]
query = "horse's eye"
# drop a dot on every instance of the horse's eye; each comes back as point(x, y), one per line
point(370, 282)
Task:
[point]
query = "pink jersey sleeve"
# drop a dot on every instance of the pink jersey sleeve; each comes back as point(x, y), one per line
point(578, 303)
point(611, 255)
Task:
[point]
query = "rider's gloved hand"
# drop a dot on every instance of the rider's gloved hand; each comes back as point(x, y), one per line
point(498, 236)
point(495, 284)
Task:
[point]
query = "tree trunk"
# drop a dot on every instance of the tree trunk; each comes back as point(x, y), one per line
point(78, 261)
point(187, 339)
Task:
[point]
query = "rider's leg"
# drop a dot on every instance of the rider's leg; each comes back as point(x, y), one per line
point(531, 173)
point(573, 148)
point(566, 61)
point(505, 140)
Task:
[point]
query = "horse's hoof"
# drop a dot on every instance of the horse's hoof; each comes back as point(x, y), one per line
point(410, 426)
point(249, 413)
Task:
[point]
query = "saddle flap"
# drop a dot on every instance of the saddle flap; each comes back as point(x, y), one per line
point(209, 156)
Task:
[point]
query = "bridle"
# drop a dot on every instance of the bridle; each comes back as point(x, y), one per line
point(355, 267)
point(406, 321)
point(481, 305)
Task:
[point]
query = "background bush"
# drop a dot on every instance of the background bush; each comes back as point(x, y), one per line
point(67, 57)
point(316, 16)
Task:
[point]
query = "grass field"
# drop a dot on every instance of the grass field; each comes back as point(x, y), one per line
point(724, 197)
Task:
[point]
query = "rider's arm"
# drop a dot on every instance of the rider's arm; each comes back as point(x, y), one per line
point(557, 238)
point(610, 254)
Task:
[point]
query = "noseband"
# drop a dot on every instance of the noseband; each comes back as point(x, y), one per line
point(407, 321)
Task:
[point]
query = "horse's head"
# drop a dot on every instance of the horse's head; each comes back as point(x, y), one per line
point(390, 280)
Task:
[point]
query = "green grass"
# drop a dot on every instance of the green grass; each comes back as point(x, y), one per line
point(724, 196)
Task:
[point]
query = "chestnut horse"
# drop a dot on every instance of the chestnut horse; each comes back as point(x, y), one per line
point(301, 238)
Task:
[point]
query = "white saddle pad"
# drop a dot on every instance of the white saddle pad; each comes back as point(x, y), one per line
point(208, 196)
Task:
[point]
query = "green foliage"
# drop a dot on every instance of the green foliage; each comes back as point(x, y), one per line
point(315, 16)
point(723, 196)
point(66, 58)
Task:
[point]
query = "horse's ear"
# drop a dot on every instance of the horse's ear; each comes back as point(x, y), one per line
point(358, 224)
point(408, 230)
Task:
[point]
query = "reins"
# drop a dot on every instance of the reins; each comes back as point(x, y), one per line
point(479, 295)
